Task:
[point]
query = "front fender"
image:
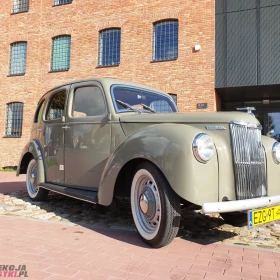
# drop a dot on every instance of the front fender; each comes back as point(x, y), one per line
point(32, 150)
point(273, 178)
point(169, 147)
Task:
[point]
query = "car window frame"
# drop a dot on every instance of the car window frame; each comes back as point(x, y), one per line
point(48, 103)
point(41, 105)
point(117, 111)
point(72, 119)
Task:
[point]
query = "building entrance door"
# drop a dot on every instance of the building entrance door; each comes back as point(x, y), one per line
point(273, 125)
point(267, 114)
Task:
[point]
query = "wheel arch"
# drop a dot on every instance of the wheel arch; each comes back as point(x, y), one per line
point(32, 150)
point(24, 162)
point(125, 176)
point(169, 147)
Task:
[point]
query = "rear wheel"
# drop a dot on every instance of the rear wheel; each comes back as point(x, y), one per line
point(155, 206)
point(34, 192)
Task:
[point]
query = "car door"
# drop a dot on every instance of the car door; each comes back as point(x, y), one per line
point(87, 139)
point(54, 136)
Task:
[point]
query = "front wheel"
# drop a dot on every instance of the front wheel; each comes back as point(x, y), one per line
point(155, 206)
point(34, 192)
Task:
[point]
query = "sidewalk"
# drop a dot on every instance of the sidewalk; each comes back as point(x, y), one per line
point(59, 251)
point(9, 182)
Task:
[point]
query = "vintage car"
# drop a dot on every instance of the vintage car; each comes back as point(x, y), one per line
point(102, 138)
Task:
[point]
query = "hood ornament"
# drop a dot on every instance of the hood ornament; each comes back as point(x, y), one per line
point(248, 109)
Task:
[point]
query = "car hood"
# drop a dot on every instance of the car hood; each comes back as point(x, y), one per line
point(131, 122)
point(215, 117)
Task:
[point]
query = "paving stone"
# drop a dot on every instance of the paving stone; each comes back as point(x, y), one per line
point(205, 229)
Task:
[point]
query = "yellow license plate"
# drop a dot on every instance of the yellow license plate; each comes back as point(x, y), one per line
point(265, 215)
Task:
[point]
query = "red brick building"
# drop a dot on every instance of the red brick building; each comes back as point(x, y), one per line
point(45, 43)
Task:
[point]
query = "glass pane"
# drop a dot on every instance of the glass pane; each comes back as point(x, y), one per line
point(56, 108)
point(136, 97)
point(88, 101)
point(20, 6)
point(61, 53)
point(109, 47)
point(165, 40)
point(274, 126)
point(61, 2)
point(18, 58)
point(14, 119)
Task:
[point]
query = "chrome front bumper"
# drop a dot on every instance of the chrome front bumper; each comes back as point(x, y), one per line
point(240, 205)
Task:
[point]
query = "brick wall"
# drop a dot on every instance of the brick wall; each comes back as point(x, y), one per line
point(191, 76)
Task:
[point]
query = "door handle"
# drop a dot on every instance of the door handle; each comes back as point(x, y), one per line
point(41, 129)
point(66, 127)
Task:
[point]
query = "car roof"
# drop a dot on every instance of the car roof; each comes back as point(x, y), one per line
point(106, 81)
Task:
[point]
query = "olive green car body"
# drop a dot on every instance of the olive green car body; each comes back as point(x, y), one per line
point(123, 140)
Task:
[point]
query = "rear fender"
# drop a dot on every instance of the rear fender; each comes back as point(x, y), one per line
point(30, 151)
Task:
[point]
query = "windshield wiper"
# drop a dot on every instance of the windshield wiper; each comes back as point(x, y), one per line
point(127, 106)
point(148, 108)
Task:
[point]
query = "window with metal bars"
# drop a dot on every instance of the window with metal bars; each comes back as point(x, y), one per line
point(20, 6)
point(14, 119)
point(62, 2)
point(61, 46)
point(109, 47)
point(165, 40)
point(174, 97)
point(18, 58)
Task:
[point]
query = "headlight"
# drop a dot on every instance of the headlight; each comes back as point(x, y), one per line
point(203, 147)
point(276, 152)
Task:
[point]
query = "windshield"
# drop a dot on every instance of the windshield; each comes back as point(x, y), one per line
point(136, 97)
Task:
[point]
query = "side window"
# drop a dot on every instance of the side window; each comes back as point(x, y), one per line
point(88, 101)
point(161, 106)
point(18, 58)
point(56, 107)
point(62, 2)
point(61, 49)
point(20, 6)
point(14, 119)
point(165, 40)
point(38, 114)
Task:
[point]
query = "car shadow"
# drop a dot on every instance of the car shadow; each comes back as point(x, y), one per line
point(116, 220)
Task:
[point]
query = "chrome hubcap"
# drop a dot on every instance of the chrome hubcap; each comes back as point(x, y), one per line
point(146, 204)
point(32, 179)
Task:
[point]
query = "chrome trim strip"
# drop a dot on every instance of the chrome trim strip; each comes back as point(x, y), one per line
point(250, 125)
point(215, 127)
point(240, 205)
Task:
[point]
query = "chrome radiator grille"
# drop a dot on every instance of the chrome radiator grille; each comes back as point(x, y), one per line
point(248, 160)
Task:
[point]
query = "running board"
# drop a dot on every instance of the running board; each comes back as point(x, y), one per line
point(89, 196)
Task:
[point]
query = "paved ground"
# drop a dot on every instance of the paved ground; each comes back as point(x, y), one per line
point(10, 183)
point(56, 247)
